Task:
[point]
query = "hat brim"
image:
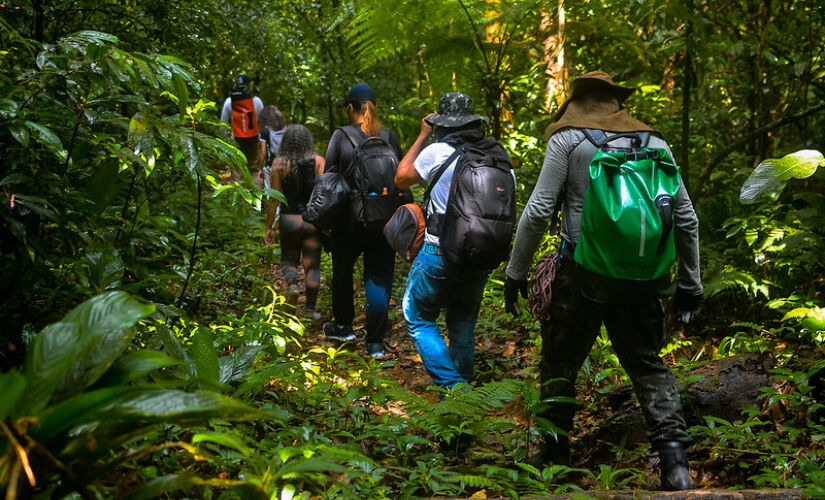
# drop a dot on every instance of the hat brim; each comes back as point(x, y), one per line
point(584, 86)
point(454, 121)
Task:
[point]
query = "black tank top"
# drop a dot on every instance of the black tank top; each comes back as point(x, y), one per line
point(298, 186)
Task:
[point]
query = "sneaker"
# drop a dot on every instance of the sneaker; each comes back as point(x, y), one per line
point(375, 349)
point(338, 333)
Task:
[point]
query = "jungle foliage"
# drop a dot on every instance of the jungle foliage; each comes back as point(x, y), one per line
point(144, 352)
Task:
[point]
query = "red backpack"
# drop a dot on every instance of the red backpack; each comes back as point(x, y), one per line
point(244, 119)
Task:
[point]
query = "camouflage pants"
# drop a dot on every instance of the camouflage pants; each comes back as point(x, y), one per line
point(635, 325)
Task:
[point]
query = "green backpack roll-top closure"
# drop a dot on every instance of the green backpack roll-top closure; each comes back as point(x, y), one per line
point(627, 217)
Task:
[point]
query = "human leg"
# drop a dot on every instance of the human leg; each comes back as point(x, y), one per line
point(379, 265)
point(566, 341)
point(637, 333)
point(290, 230)
point(422, 304)
point(345, 250)
point(311, 259)
point(463, 300)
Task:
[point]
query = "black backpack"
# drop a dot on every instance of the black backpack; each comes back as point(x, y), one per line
point(371, 176)
point(478, 225)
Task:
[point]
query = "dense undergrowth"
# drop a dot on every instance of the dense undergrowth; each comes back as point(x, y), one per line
point(148, 354)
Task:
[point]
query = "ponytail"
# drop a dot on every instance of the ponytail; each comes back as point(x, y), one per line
point(371, 124)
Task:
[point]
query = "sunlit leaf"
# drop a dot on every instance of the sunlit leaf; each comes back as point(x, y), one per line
point(770, 174)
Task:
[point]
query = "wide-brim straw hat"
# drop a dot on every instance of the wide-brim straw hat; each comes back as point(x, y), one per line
point(595, 81)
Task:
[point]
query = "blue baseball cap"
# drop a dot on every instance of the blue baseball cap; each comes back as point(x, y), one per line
point(361, 92)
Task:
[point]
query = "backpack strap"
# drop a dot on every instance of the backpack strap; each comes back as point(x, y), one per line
point(433, 221)
point(600, 139)
point(355, 141)
point(438, 175)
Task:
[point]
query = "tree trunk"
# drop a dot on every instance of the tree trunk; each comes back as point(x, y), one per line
point(554, 57)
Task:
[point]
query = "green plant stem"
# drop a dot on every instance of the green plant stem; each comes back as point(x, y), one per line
point(194, 243)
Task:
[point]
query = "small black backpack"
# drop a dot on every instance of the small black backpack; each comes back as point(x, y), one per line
point(374, 197)
point(478, 225)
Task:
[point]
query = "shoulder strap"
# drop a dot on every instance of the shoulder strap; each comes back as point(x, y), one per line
point(599, 138)
point(355, 141)
point(425, 201)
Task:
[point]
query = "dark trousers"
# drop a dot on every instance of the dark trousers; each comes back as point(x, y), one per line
point(635, 325)
point(349, 241)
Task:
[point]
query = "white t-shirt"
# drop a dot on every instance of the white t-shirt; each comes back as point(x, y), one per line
point(427, 164)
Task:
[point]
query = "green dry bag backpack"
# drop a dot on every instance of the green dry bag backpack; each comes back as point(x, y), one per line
point(627, 217)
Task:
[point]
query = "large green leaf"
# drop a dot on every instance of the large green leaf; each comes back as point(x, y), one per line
point(48, 138)
point(772, 173)
point(69, 356)
point(236, 365)
point(169, 405)
point(205, 357)
point(135, 365)
point(140, 404)
point(12, 386)
point(82, 409)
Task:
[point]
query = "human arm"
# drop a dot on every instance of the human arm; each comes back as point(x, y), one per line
point(333, 157)
point(540, 207)
point(226, 114)
point(407, 175)
point(689, 290)
point(319, 165)
point(275, 180)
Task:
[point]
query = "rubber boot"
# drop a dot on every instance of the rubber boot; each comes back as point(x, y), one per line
point(673, 462)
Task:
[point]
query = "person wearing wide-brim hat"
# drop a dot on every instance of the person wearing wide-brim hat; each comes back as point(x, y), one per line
point(634, 321)
point(432, 285)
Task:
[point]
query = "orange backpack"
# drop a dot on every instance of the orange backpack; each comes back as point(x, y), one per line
point(244, 120)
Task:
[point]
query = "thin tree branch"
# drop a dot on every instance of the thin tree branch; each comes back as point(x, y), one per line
point(194, 243)
point(479, 42)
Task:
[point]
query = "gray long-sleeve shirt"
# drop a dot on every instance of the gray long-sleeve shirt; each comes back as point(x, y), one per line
point(566, 165)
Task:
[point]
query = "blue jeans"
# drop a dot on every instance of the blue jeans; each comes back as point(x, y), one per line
point(434, 285)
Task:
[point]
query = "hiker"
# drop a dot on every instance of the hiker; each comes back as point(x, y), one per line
point(293, 173)
point(350, 237)
point(240, 111)
point(271, 124)
point(583, 299)
point(435, 282)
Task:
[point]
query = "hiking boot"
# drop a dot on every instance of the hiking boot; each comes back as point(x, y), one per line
point(673, 462)
point(375, 349)
point(338, 333)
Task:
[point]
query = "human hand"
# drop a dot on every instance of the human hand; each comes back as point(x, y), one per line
point(512, 288)
point(689, 305)
point(426, 128)
point(269, 238)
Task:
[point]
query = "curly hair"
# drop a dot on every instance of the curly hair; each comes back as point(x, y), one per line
point(271, 118)
point(297, 144)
